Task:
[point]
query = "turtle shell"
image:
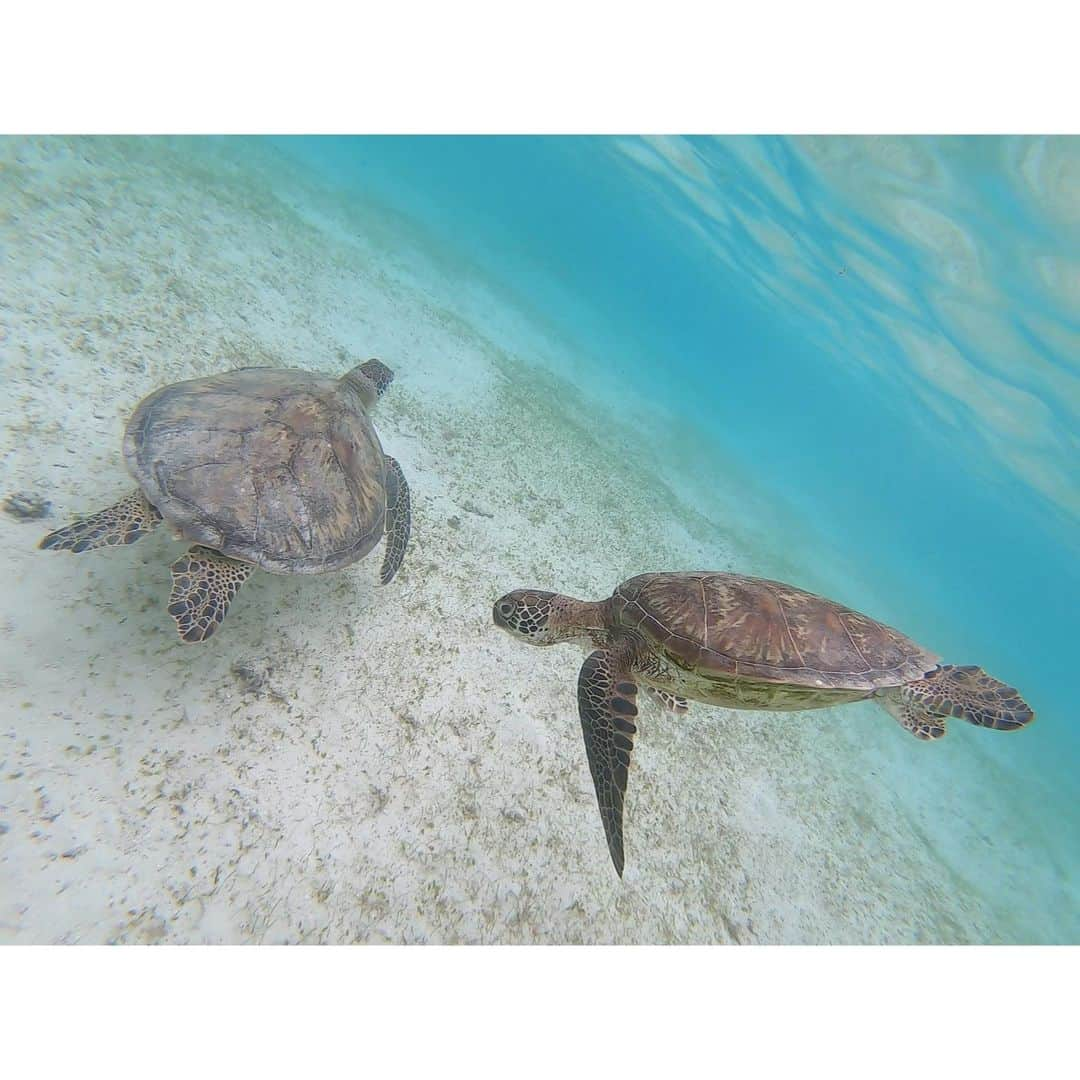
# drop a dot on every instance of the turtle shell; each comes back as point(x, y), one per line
point(765, 631)
point(277, 467)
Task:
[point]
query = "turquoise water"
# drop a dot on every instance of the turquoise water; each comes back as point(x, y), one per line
point(884, 332)
point(848, 362)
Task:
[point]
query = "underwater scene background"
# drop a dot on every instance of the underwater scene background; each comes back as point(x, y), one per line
point(847, 363)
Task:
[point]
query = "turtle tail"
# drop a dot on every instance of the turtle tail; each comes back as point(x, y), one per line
point(923, 706)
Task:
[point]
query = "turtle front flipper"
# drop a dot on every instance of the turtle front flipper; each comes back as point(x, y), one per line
point(606, 702)
point(398, 520)
point(203, 586)
point(122, 523)
point(923, 706)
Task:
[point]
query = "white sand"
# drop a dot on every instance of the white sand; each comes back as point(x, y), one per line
point(348, 763)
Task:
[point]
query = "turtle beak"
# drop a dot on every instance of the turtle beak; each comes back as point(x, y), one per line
point(501, 612)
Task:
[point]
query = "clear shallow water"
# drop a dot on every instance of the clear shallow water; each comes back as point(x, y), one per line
point(883, 332)
point(856, 363)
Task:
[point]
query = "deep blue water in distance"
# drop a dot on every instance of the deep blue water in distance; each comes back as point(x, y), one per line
point(885, 333)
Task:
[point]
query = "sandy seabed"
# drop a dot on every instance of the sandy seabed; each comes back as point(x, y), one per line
point(350, 763)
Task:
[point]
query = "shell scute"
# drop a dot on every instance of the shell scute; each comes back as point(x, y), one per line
point(764, 631)
point(272, 466)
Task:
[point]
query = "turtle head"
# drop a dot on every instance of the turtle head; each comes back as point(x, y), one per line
point(378, 373)
point(544, 618)
point(369, 380)
point(529, 614)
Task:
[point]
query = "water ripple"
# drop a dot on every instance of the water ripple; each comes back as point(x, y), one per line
point(948, 266)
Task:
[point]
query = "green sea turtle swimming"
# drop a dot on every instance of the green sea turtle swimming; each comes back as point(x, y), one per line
point(260, 467)
point(743, 643)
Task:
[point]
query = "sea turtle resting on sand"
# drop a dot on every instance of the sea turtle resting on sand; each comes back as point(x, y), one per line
point(261, 467)
point(743, 643)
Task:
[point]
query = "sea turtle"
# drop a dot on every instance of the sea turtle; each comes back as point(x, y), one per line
point(261, 467)
point(743, 643)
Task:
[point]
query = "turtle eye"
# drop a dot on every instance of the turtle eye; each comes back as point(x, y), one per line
point(506, 610)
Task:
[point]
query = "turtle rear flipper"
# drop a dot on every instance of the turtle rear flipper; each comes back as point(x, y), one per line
point(667, 700)
point(122, 523)
point(204, 584)
point(966, 692)
point(606, 703)
point(398, 520)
